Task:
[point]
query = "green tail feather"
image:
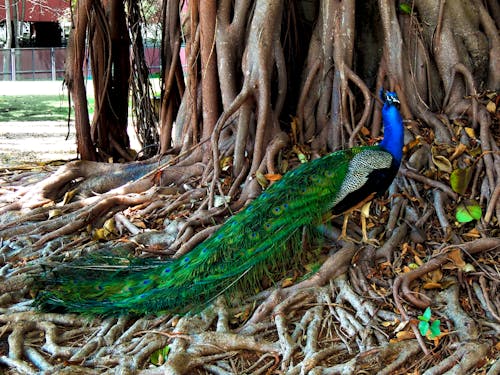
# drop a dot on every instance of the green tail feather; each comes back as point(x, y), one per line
point(264, 236)
point(266, 233)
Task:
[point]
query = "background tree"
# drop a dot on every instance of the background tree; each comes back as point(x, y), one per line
point(269, 84)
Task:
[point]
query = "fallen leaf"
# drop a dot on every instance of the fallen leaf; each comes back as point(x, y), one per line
point(110, 226)
point(273, 177)
point(456, 257)
point(470, 132)
point(418, 261)
point(442, 163)
point(468, 268)
point(491, 107)
point(139, 224)
point(220, 200)
point(226, 163)
point(467, 211)
point(405, 335)
point(55, 213)
point(68, 196)
point(432, 285)
point(261, 179)
point(459, 150)
point(474, 233)
point(460, 179)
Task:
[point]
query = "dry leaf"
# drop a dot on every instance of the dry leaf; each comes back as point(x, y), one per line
point(226, 163)
point(473, 233)
point(139, 224)
point(55, 213)
point(68, 196)
point(459, 150)
point(456, 257)
point(468, 268)
point(491, 107)
point(436, 275)
point(442, 163)
point(470, 132)
point(261, 179)
point(110, 226)
point(432, 285)
point(99, 234)
point(273, 177)
point(405, 335)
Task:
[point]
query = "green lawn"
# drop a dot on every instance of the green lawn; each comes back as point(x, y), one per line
point(36, 108)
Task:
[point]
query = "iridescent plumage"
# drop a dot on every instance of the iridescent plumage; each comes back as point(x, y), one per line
point(265, 235)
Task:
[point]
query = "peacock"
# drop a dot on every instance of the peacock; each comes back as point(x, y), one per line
point(266, 235)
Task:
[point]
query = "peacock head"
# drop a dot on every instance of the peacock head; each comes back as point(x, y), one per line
point(389, 97)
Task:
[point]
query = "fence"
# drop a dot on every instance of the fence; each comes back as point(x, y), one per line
point(32, 63)
point(17, 64)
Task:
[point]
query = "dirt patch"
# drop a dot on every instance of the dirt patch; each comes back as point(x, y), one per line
point(35, 141)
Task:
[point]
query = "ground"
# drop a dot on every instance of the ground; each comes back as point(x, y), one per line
point(30, 141)
point(354, 315)
point(26, 140)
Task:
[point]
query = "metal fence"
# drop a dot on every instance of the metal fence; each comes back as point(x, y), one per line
point(25, 64)
point(32, 63)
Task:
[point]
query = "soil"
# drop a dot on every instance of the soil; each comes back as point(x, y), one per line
point(35, 141)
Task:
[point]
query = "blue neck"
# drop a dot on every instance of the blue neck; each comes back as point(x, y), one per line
point(393, 131)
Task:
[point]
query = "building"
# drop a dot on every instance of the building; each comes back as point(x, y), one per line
point(42, 21)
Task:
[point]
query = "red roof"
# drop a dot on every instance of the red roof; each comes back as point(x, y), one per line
point(39, 10)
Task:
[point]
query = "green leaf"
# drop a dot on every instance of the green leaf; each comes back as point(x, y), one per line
point(405, 8)
point(460, 178)
point(159, 357)
point(435, 330)
point(423, 327)
point(468, 211)
point(426, 316)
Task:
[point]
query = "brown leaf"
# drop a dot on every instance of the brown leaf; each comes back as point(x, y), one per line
point(273, 177)
point(470, 132)
point(491, 107)
point(456, 257)
point(405, 335)
point(432, 285)
point(442, 163)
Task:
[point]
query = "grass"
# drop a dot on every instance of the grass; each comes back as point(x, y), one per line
point(36, 108)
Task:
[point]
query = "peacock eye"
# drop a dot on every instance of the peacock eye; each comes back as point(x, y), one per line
point(267, 226)
point(146, 282)
point(315, 178)
point(253, 236)
point(329, 173)
point(186, 259)
point(277, 210)
point(167, 270)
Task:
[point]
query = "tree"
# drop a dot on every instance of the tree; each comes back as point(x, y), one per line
point(269, 83)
